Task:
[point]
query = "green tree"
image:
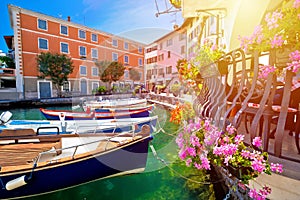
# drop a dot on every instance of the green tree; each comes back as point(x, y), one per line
point(8, 61)
point(134, 75)
point(110, 71)
point(55, 66)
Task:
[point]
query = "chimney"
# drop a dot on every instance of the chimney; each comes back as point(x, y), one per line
point(69, 18)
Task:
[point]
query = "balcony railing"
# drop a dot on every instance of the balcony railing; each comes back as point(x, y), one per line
point(7, 72)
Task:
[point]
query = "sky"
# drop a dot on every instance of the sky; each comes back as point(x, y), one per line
point(134, 19)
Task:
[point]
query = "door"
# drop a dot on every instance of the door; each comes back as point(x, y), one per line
point(44, 89)
point(83, 87)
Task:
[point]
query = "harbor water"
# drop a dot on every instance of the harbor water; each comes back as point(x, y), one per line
point(165, 177)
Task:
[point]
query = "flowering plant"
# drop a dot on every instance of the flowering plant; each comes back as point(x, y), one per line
point(182, 112)
point(280, 29)
point(202, 144)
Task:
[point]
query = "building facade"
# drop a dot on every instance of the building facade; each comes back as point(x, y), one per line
point(161, 58)
point(36, 32)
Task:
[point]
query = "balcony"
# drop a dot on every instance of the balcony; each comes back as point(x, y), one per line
point(7, 78)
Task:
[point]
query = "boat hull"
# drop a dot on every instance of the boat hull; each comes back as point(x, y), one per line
point(82, 126)
point(127, 159)
point(98, 114)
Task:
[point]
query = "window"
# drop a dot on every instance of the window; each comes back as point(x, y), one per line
point(114, 56)
point(83, 70)
point(43, 43)
point(140, 62)
point(63, 30)
point(126, 45)
point(94, 53)
point(140, 49)
point(126, 74)
point(169, 70)
point(169, 54)
point(42, 24)
point(181, 36)
point(141, 75)
point(115, 43)
point(64, 47)
point(161, 57)
point(126, 59)
point(169, 42)
point(161, 71)
point(81, 34)
point(95, 85)
point(82, 51)
point(95, 71)
point(94, 37)
point(182, 49)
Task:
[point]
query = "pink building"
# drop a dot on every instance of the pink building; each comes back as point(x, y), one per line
point(161, 58)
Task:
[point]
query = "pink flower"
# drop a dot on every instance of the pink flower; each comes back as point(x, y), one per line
point(276, 168)
point(191, 151)
point(245, 154)
point(295, 64)
point(188, 162)
point(205, 162)
point(180, 141)
point(239, 139)
point(257, 142)
point(273, 19)
point(194, 141)
point(296, 4)
point(197, 165)
point(253, 193)
point(277, 41)
point(264, 71)
point(257, 165)
point(230, 129)
point(182, 154)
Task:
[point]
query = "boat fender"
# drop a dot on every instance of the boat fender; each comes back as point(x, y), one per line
point(5, 117)
point(63, 126)
point(153, 128)
point(62, 116)
point(16, 183)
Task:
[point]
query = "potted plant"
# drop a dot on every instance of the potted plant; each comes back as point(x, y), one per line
point(101, 89)
point(175, 89)
point(202, 145)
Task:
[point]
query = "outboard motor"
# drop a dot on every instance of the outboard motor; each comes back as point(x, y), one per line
point(5, 117)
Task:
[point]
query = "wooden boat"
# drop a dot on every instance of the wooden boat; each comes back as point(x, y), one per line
point(82, 126)
point(67, 114)
point(33, 164)
point(134, 112)
point(117, 103)
point(103, 113)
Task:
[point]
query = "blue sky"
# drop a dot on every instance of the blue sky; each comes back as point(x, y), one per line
point(134, 18)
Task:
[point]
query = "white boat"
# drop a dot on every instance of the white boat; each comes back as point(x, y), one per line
point(73, 126)
point(116, 103)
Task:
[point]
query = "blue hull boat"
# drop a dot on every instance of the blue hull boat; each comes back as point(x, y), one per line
point(67, 160)
point(81, 126)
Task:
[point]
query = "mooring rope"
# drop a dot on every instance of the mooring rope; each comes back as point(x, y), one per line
point(178, 173)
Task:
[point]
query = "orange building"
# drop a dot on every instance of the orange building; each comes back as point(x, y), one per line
point(36, 32)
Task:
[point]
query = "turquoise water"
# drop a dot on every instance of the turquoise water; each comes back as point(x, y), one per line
point(159, 181)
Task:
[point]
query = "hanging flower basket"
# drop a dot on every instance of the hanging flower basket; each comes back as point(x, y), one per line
point(239, 171)
point(223, 67)
point(209, 70)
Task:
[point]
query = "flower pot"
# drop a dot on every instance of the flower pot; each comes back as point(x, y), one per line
point(238, 172)
point(223, 67)
point(209, 70)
